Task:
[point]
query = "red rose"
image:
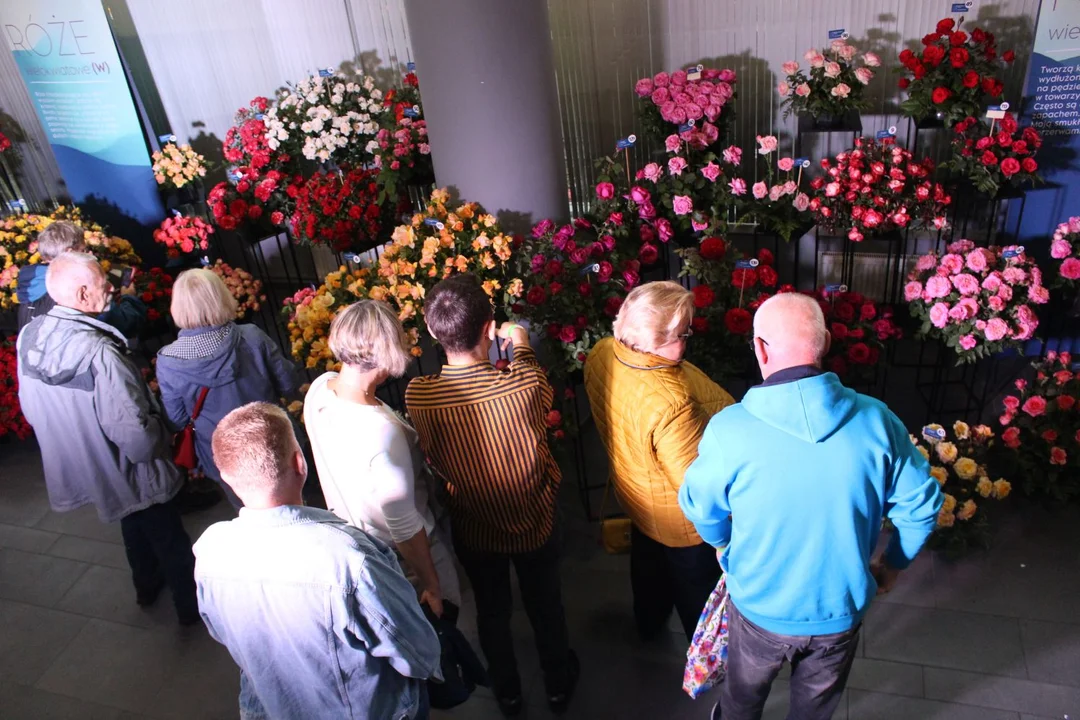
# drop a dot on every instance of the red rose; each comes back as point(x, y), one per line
point(1065, 402)
point(919, 71)
point(978, 35)
point(858, 353)
point(971, 79)
point(767, 275)
point(738, 321)
point(1049, 436)
point(712, 248)
point(940, 95)
point(867, 312)
point(997, 88)
point(904, 83)
point(844, 311)
point(1020, 147)
point(988, 158)
point(930, 39)
point(959, 57)
point(1008, 56)
point(958, 38)
point(906, 56)
point(839, 331)
point(255, 212)
point(555, 288)
point(765, 256)
point(1010, 166)
point(1029, 165)
point(703, 296)
point(276, 217)
point(648, 254)
point(933, 55)
point(700, 325)
point(744, 278)
point(568, 334)
point(536, 295)
point(945, 26)
point(612, 305)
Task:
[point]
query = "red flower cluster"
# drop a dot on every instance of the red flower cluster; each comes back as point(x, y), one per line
point(859, 328)
point(339, 210)
point(11, 417)
point(5, 143)
point(877, 188)
point(953, 73)
point(154, 288)
point(183, 235)
point(991, 159)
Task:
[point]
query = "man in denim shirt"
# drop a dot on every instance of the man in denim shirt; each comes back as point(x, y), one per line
point(316, 613)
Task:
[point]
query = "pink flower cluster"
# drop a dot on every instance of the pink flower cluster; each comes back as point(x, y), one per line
point(1065, 249)
point(403, 145)
point(681, 101)
point(979, 296)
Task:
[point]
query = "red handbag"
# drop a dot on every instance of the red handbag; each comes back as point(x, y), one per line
point(184, 441)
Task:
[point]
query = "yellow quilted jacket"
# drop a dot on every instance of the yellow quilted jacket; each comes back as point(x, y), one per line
point(651, 413)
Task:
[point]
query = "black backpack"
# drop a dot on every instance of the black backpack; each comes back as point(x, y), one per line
point(461, 668)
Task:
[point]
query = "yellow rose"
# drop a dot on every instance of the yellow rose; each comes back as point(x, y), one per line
point(923, 451)
point(1002, 488)
point(440, 195)
point(961, 429)
point(946, 452)
point(940, 474)
point(945, 519)
point(966, 468)
point(515, 288)
point(985, 487)
point(950, 503)
point(967, 510)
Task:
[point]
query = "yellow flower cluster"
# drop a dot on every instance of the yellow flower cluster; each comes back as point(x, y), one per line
point(968, 477)
point(177, 166)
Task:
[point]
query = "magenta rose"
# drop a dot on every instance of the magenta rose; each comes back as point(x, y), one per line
point(912, 291)
point(1070, 269)
point(672, 143)
point(996, 329)
point(660, 96)
point(640, 195)
point(711, 171)
point(648, 254)
point(631, 279)
point(580, 256)
point(568, 334)
point(663, 228)
point(605, 191)
point(605, 271)
point(661, 79)
point(967, 342)
point(966, 284)
point(616, 219)
point(682, 205)
point(608, 242)
point(939, 315)
point(1060, 249)
point(643, 87)
point(647, 211)
point(938, 287)
point(537, 263)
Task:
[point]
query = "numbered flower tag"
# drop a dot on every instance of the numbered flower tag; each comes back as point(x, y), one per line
point(1013, 252)
point(326, 72)
point(839, 34)
point(410, 66)
point(626, 143)
point(694, 73)
point(166, 138)
point(687, 126)
point(836, 288)
point(595, 267)
point(934, 432)
point(997, 112)
point(747, 264)
point(961, 7)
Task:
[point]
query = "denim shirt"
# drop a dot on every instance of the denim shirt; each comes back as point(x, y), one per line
point(317, 614)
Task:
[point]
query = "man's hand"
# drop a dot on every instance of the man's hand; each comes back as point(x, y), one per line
point(433, 599)
point(512, 332)
point(884, 575)
point(128, 290)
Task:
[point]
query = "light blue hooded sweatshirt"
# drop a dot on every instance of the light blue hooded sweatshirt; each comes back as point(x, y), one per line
point(794, 481)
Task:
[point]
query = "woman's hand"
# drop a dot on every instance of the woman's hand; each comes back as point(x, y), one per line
point(433, 599)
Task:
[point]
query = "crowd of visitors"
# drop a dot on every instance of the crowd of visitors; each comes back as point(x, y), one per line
point(350, 612)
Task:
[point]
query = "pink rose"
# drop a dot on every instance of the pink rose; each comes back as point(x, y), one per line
point(767, 144)
point(660, 96)
point(639, 195)
point(801, 202)
point(785, 164)
point(676, 165)
point(864, 75)
point(961, 246)
point(912, 291)
point(775, 192)
point(926, 262)
point(1038, 294)
point(966, 309)
point(643, 87)
point(661, 79)
point(698, 226)
point(1070, 269)
point(992, 282)
point(967, 342)
point(652, 172)
point(976, 261)
point(733, 155)
point(1034, 405)
point(996, 329)
point(1005, 293)
point(783, 89)
point(672, 143)
point(790, 67)
point(682, 205)
point(802, 90)
point(815, 58)
point(738, 186)
point(938, 287)
point(939, 315)
point(832, 70)
point(760, 190)
point(1014, 275)
point(966, 284)
point(1060, 249)
point(871, 60)
point(711, 171)
point(663, 228)
point(726, 76)
point(996, 304)
point(605, 191)
point(832, 189)
point(789, 187)
point(953, 263)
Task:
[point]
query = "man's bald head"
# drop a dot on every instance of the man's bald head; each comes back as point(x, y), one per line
point(75, 280)
point(792, 328)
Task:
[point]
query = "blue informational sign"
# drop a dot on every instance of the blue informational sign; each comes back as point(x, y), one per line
point(837, 34)
point(1052, 106)
point(66, 56)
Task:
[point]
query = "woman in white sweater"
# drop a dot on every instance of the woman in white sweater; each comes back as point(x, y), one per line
point(370, 465)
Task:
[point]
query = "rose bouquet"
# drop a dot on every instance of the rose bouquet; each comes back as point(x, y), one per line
point(877, 188)
point(326, 118)
point(339, 210)
point(833, 86)
point(959, 466)
point(1042, 428)
point(953, 74)
point(184, 235)
point(154, 288)
point(694, 192)
point(696, 109)
point(978, 300)
point(1065, 254)
point(778, 203)
point(5, 142)
point(12, 422)
point(860, 329)
point(992, 159)
point(176, 166)
point(403, 156)
point(245, 288)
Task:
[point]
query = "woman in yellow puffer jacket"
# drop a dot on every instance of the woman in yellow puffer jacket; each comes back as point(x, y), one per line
point(651, 409)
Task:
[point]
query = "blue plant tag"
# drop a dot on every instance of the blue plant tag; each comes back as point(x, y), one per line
point(17, 205)
point(837, 34)
point(170, 138)
point(802, 162)
point(351, 257)
point(626, 143)
point(410, 113)
point(326, 72)
point(961, 7)
point(687, 126)
point(747, 264)
point(836, 288)
point(882, 134)
point(410, 66)
point(204, 261)
point(930, 432)
point(997, 112)
point(595, 267)
point(260, 116)
point(434, 223)
point(176, 212)
point(694, 73)
point(233, 174)
point(1013, 252)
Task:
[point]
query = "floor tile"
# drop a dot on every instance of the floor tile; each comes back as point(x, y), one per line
point(22, 502)
point(204, 681)
point(36, 579)
point(890, 677)
point(113, 664)
point(945, 638)
point(20, 701)
point(475, 708)
point(26, 539)
point(90, 551)
point(915, 585)
point(83, 522)
point(31, 638)
point(1004, 693)
point(1052, 652)
point(107, 593)
point(880, 706)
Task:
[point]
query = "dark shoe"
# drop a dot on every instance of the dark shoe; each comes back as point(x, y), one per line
point(716, 711)
point(559, 701)
point(189, 500)
point(189, 620)
point(146, 598)
point(510, 706)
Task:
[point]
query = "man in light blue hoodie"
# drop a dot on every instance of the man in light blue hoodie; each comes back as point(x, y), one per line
point(791, 485)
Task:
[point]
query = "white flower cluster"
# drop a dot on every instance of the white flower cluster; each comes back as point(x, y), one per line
point(320, 116)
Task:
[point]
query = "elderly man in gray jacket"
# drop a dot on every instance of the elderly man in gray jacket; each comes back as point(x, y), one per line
point(103, 436)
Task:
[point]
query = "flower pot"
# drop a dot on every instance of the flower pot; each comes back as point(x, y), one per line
point(828, 122)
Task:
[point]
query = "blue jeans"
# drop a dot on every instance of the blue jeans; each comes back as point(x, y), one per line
point(819, 669)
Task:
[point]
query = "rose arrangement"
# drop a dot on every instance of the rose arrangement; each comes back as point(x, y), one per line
point(184, 235)
point(1042, 428)
point(154, 288)
point(953, 74)
point(5, 142)
point(694, 191)
point(326, 118)
point(860, 329)
point(403, 155)
point(1065, 254)
point(991, 159)
point(176, 166)
point(834, 85)
point(959, 466)
point(337, 209)
point(693, 108)
point(12, 421)
point(245, 288)
point(978, 300)
point(779, 205)
point(877, 188)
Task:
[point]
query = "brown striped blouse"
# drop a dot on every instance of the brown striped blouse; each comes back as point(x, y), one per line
point(485, 432)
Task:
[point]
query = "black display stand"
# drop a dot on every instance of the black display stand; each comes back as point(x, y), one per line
point(850, 123)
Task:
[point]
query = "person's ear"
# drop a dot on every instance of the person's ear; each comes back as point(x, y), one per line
point(761, 351)
point(490, 329)
point(300, 464)
point(82, 294)
point(828, 343)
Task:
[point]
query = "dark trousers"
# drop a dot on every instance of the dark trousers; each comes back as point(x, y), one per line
point(663, 577)
point(819, 670)
point(541, 593)
point(159, 549)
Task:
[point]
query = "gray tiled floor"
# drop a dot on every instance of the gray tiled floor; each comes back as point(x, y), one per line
point(994, 637)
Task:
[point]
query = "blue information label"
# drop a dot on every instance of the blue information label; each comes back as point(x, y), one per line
point(352, 257)
point(1012, 252)
point(932, 432)
point(409, 112)
point(432, 222)
point(170, 138)
point(959, 7)
point(410, 66)
point(686, 127)
point(204, 261)
point(882, 134)
point(328, 72)
point(746, 264)
point(802, 162)
point(836, 288)
point(589, 269)
point(836, 34)
point(624, 144)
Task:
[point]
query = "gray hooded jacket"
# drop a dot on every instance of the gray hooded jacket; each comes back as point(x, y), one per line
point(103, 436)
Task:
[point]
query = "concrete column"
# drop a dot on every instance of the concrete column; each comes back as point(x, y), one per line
point(488, 81)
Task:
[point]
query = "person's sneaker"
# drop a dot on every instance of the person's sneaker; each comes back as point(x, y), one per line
point(716, 711)
point(510, 706)
point(559, 701)
point(147, 598)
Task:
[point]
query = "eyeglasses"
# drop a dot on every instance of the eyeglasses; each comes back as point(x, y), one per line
point(687, 335)
point(763, 341)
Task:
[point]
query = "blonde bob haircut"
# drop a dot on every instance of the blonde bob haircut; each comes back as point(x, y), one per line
point(654, 315)
point(200, 299)
point(369, 336)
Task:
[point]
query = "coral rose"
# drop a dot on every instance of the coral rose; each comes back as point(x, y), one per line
point(1034, 406)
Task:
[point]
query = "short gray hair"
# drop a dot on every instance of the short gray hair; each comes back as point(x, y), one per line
point(58, 238)
point(653, 315)
point(67, 273)
point(201, 299)
point(793, 323)
point(369, 335)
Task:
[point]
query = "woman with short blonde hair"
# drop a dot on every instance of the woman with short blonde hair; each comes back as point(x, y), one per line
point(651, 407)
point(234, 364)
point(372, 470)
